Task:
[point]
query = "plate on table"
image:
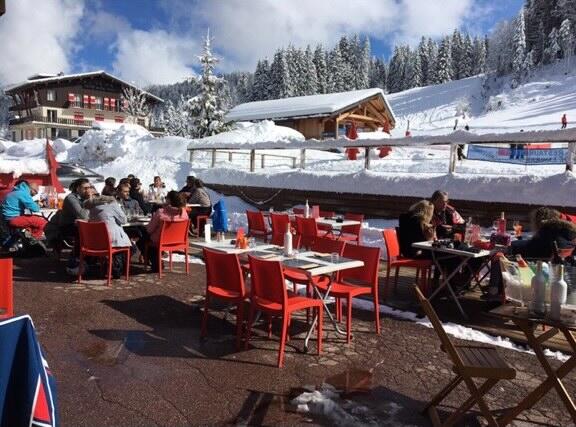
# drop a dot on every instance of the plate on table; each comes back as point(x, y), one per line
point(300, 263)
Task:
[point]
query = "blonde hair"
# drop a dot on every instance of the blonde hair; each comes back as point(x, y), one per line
point(423, 210)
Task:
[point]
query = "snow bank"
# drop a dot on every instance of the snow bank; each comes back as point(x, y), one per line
point(23, 157)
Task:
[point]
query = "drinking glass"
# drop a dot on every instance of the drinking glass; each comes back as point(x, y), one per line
point(517, 228)
point(334, 257)
point(252, 243)
point(495, 226)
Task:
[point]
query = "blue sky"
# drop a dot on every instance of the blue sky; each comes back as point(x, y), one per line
point(156, 41)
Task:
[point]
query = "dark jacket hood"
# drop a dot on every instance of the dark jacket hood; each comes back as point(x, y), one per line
point(558, 227)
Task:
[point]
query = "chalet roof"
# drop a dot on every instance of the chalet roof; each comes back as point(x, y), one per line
point(38, 79)
point(304, 106)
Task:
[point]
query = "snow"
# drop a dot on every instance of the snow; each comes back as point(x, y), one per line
point(25, 157)
point(302, 106)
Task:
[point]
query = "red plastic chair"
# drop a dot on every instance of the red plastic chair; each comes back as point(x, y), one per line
point(95, 241)
point(279, 225)
point(325, 227)
point(257, 225)
point(6, 288)
point(269, 295)
point(224, 281)
point(357, 281)
point(173, 237)
point(298, 211)
point(306, 232)
point(351, 233)
point(395, 260)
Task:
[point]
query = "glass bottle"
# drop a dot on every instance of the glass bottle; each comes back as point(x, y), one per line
point(558, 292)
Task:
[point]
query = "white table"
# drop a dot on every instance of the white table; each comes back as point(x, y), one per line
point(336, 224)
point(324, 266)
point(439, 254)
point(137, 223)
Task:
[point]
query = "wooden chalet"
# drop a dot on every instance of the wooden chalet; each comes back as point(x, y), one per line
point(66, 105)
point(322, 116)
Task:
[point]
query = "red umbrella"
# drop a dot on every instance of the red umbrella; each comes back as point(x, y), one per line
point(53, 166)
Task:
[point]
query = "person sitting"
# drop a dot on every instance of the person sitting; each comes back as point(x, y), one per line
point(199, 196)
point(157, 189)
point(126, 202)
point(416, 226)
point(189, 187)
point(173, 211)
point(15, 205)
point(106, 209)
point(109, 187)
point(445, 216)
point(136, 194)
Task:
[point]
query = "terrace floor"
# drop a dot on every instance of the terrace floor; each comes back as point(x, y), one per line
point(130, 355)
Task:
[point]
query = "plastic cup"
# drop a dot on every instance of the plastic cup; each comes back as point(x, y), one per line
point(334, 257)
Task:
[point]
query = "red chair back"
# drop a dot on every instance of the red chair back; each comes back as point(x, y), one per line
point(268, 284)
point(223, 271)
point(353, 229)
point(328, 246)
point(307, 231)
point(327, 214)
point(256, 221)
point(174, 233)
point(279, 225)
point(6, 288)
point(391, 243)
point(371, 258)
point(93, 236)
point(298, 211)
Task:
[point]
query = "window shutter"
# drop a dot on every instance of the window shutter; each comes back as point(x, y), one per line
point(86, 99)
point(71, 97)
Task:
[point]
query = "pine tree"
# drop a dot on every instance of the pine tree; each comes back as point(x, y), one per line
point(243, 88)
point(432, 49)
point(321, 68)
point(378, 74)
point(479, 56)
point(444, 70)
point(262, 82)
point(568, 10)
point(206, 109)
point(519, 49)
point(566, 38)
point(347, 55)
point(280, 83)
point(362, 71)
point(456, 54)
point(553, 49)
point(310, 73)
point(424, 60)
point(336, 71)
point(413, 71)
point(134, 103)
point(467, 66)
point(295, 70)
point(175, 119)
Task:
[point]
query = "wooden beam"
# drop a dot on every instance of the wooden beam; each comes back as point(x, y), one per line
point(362, 118)
point(382, 118)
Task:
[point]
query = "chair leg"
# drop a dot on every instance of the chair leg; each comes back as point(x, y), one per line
point(476, 397)
point(249, 326)
point(376, 310)
point(269, 326)
point(170, 259)
point(387, 283)
point(80, 268)
point(443, 393)
point(285, 323)
point(110, 270)
point(239, 324)
point(396, 273)
point(319, 328)
point(338, 310)
point(186, 260)
point(159, 262)
point(349, 320)
point(204, 327)
point(127, 265)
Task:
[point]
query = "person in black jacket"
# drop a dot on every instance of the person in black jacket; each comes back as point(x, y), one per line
point(416, 226)
point(136, 194)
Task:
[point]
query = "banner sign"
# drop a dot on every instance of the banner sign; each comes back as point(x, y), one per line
point(518, 154)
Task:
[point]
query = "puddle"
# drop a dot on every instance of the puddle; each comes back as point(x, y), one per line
point(352, 381)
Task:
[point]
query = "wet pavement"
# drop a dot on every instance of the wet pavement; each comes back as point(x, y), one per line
point(130, 355)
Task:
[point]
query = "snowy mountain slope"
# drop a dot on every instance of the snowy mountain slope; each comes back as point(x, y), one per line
point(491, 103)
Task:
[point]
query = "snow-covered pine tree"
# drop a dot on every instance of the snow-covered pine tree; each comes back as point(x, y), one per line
point(467, 66)
point(280, 82)
point(519, 45)
point(176, 119)
point(413, 71)
point(567, 40)
point(568, 11)
point(243, 88)
point(501, 49)
point(361, 62)
point(378, 74)
point(347, 55)
point(456, 47)
point(297, 76)
point(134, 103)
point(262, 82)
point(444, 72)
point(206, 110)
point(321, 68)
point(336, 71)
point(478, 56)
point(553, 49)
point(396, 70)
point(432, 49)
point(310, 73)
point(4, 114)
point(424, 60)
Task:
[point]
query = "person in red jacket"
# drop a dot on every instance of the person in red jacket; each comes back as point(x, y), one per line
point(564, 121)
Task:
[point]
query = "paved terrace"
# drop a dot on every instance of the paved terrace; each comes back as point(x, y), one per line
point(130, 355)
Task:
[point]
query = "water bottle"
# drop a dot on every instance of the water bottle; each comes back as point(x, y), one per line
point(288, 241)
point(558, 292)
point(208, 231)
point(307, 210)
point(538, 286)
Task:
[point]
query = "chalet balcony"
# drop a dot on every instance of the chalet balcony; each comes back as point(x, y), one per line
point(45, 119)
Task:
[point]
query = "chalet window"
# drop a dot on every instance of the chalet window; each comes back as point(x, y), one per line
point(113, 104)
point(119, 119)
point(92, 102)
point(98, 102)
point(86, 100)
point(141, 122)
point(14, 136)
point(51, 95)
point(52, 116)
point(107, 104)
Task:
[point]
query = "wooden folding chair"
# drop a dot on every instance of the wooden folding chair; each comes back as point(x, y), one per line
point(469, 362)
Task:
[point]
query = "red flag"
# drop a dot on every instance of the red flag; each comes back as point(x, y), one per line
point(52, 167)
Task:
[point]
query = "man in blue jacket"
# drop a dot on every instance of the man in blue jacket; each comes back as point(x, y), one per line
point(17, 202)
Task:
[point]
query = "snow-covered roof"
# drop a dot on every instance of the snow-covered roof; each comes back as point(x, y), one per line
point(38, 78)
point(303, 106)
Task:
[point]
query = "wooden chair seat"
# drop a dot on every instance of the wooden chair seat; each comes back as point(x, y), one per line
point(483, 362)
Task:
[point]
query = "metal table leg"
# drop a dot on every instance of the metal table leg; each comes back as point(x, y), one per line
point(446, 282)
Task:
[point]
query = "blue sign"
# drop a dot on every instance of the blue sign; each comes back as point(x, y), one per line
point(518, 154)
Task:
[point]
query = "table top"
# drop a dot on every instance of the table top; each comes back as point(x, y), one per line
point(140, 222)
point(313, 263)
point(193, 205)
point(428, 247)
point(321, 220)
point(512, 312)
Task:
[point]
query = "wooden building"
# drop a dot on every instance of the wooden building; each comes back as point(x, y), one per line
point(322, 116)
point(65, 106)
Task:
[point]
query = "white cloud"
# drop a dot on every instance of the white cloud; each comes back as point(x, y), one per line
point(157, 56)
point(37, 36)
